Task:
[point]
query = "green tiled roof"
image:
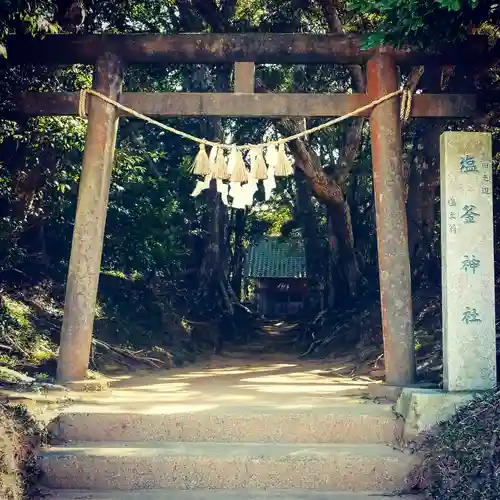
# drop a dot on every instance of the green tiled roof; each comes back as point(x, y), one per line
point(275, 257)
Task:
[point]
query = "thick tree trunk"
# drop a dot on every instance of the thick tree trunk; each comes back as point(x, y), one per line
point(330, 192)
point(214, 267)
point(324, 187)
point(238, 252)
point(306, 217)
point(423, 182)
point(214, 301)
point(421, 207)
point(333, 260)
point(339, 218)
point(211, 264)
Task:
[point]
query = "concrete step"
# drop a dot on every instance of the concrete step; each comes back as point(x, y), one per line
point(131, 466)
point(217, 495)
point(351, 422)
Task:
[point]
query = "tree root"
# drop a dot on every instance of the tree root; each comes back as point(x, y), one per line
point(122, 355)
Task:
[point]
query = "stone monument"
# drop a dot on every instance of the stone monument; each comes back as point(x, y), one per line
point(469, 339)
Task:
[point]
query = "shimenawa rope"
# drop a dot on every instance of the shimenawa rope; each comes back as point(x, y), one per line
point(406, 102)
point(217, 166)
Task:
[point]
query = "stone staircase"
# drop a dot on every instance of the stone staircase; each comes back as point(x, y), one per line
point(270, 445)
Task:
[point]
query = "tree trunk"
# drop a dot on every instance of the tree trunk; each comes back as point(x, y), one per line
point(423, 184)
point(421, 206)
point(306, 217)
point(238, 252)
point(330, 192)
point(211, 256)
point(215, 258)
point(339, 218)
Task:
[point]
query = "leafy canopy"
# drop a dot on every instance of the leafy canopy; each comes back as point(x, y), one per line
point(421, 23)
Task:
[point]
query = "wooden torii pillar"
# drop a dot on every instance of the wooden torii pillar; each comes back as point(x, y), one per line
point(88, 233)
point(392, 226)
point(112, 51)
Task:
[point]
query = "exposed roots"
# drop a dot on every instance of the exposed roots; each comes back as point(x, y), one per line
point(123, 356)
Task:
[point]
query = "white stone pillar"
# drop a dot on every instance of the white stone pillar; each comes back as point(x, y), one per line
point(469, 340)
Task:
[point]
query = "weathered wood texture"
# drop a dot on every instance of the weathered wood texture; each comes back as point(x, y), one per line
point(246, 105)
point(217, 48)
point(88, 234)
point(392, 230)
point(244, 77)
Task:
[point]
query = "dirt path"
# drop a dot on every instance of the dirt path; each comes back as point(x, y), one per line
point(263, 373)
point(271, 381)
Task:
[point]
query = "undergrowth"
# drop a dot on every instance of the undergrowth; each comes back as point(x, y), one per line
point(19, 336)
point(20, 438)
point(133, 327)
point(461, 458)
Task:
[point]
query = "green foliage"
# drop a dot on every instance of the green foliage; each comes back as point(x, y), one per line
point(154, 227)
point(128, 314)
point(420, 23)
point(269, 218)
point(18, 313)
point(18, 329)
point(150, 209)
point(25, 16)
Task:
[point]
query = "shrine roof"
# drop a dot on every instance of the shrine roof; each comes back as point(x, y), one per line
point(276, 257)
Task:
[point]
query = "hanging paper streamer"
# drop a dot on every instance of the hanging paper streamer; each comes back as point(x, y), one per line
point(269, 183)
point(237, 166)
point(242, 184)
point(201, 163)
point(283, 166)
point(258, 164)
point(237, 194)
point(243, 194)
point(223, 189)
point(220, 168)
point(250, 190)
point(202, 185)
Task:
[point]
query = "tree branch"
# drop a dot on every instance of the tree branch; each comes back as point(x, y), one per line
point(188, 20)
point(331, 13)
point(414, 78)
point(353, 129)
point(212, 15)
point(330, 10)
point(228, 8)
point(325, 188)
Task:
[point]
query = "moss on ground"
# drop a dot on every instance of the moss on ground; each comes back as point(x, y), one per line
point(461, 458)
point(134, 328)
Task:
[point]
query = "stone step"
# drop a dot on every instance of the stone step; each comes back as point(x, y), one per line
point(130, 466)
point(217, 495)
point(351, 422)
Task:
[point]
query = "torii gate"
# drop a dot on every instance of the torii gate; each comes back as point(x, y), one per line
point(110, 53)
